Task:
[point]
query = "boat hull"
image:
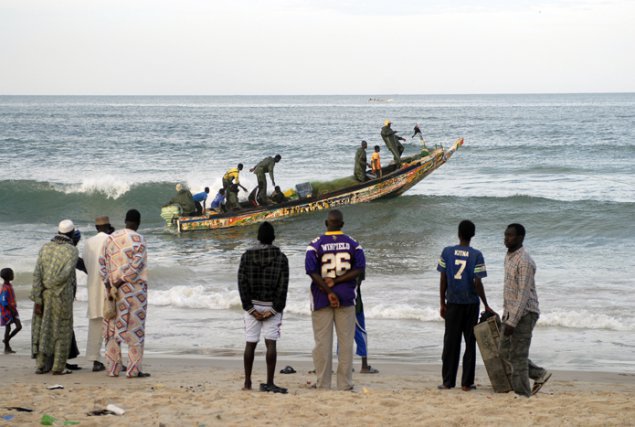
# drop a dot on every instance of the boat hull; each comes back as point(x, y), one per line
point(391, 185)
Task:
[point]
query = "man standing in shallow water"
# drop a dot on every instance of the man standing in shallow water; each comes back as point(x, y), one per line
point(520, 302)
point(333, 261)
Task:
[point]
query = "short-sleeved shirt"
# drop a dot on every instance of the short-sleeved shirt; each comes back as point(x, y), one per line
point(200, 197)
point(217, 201)
point(461, 264)
point(375, 161)
point(7, 299)
point(331, 255)
point(232, 175)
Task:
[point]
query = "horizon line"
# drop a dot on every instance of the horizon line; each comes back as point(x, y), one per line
point(332, 94)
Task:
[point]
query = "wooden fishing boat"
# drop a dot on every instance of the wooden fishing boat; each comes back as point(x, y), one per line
point(317, 196)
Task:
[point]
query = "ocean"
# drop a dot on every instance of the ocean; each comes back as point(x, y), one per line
point(562, 165)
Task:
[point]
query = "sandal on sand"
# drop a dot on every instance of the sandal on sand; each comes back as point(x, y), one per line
point(540, 382)
point(41, 371)
point(287, 370)
point(73, 367)
point(272, 388)
point(370, 370)
point(468, 387)
point(62, 372)
point(140, 375)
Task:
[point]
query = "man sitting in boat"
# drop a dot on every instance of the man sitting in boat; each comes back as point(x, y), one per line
point(232, 176)
point(252, 197)
point(218, 204)
point(278, 196)
point(392, 141)
point(360, 163)
point(184, 199)
point(265, 166)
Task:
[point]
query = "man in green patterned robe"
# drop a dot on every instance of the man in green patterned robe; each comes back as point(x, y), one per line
point(54, 282)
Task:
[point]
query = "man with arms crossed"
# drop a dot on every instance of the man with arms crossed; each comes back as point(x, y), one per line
point(462, 267)
point(520, 302)
point(263, 280)
point(334, 260)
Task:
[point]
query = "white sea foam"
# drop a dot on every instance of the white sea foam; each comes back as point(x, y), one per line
point(110, 186)
point(196, 297)
point(585, 320)
point(402, 311)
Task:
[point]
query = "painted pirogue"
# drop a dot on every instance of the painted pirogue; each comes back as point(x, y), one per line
point(322, 195)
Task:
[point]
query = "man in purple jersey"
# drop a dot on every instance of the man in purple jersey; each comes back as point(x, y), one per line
point(334, 260)
point(462, 267)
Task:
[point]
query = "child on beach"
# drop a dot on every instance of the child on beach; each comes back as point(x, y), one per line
point(8, 309)
point(375, 162)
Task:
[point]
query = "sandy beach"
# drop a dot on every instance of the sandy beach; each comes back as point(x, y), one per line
point(188, 391)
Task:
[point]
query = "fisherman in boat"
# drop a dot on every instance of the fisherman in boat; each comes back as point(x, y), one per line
point(278, 196)
point(184, 199)
point(375, 162)
point(200, 199)
point(265, 166)
point(218, 204)
point(232, 198)
point(232, 176)
point(252, 197)
point(360, 163)
point(392, 141)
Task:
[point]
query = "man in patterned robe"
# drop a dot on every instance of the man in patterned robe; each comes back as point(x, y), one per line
point(54, 283)
point(123, 267)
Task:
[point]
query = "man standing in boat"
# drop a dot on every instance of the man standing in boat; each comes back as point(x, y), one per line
point(360, 163)
point(392, 141)
point(232, 176)
point(265, 166)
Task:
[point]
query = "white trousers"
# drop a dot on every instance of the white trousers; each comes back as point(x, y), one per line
point(95, 339)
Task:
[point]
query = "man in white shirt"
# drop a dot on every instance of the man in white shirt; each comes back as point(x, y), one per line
point(93, 249)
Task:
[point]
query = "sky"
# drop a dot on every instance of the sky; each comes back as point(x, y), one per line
point(306, 47)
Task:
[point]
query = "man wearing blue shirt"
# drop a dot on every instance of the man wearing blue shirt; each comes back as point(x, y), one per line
point(200, 200)
point(462, 268)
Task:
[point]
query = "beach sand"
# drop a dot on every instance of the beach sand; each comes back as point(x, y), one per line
point(196, 391)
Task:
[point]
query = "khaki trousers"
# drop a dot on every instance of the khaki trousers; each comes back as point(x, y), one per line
point(343, 318)
point(95, 339)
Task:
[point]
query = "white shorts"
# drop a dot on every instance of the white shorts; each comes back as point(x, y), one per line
point(270, 326)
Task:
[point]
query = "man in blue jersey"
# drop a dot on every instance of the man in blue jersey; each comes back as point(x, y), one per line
point(334, 260)
point(200, 200)
point(462, 267)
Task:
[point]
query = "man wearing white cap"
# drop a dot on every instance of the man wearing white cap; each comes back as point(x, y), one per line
point(54, 283)
point(93, 249)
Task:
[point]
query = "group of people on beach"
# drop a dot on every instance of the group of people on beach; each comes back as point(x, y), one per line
point(116, 264)
point(335, 262)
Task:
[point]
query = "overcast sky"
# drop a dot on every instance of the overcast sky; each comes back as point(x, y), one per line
point(241, 47)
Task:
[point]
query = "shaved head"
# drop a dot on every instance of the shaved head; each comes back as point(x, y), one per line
point(334, 220)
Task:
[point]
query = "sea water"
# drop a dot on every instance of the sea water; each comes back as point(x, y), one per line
point(562, 165)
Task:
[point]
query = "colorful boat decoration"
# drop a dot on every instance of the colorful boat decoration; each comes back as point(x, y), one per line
point(321, 196)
